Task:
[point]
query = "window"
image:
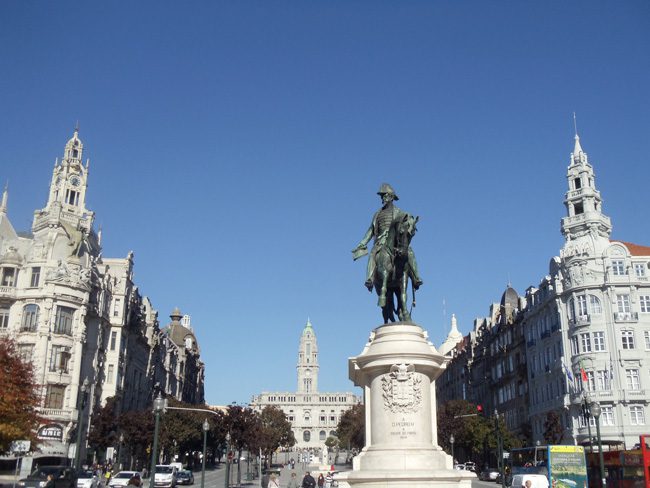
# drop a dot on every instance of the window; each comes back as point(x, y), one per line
point(35, 278)
point(30, 318)
point(8, 276)
point(63, 324)
point(574, 345)
point(322, 435)
point(632, 379)
point(646, 336)
point(59, 359)
point(110, 373)
point(113, 339)
point(581, 305)
point(623, 303)
point(323, 419)
point(644, 300)
point(618, 267)
point(627, 339)
point(586, 342)
point(607, 415)
point(4, 318)
point(591, 381)
point(25, 352)
point(639, 269)
point(306, 436)
point(116, 307)
point(594, 302)
point(603, 380)
point(54, 396)
point(637, 416)
point(599, 341)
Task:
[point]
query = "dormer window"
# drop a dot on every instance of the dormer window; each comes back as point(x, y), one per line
point(72, 197)
point(188, 342)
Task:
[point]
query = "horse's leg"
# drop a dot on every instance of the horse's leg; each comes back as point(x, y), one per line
point(384, 287)
point(404, 312)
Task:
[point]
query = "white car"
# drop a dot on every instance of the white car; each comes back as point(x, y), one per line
point(165, 476)
point(122, 478)
point(86, 478)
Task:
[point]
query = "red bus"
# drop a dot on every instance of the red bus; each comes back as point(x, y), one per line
point(623, 468)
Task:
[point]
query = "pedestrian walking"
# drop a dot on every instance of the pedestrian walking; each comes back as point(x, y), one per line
point(274, 482)
point(308, 481)
point(328, 480)
point(293, 482)
point(321, 480)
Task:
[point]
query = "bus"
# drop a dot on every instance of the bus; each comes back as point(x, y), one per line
point(563, 466)
point(623, 468)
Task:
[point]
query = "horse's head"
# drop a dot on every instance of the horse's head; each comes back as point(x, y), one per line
point(405, 232)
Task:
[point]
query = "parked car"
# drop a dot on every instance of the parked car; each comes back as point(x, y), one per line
point(488, 474)
point(122, 478)
point(459, 467)
point(185, 477)
point(64, 477)
point(165, 476)
point(87, 478)
point(470, 466)
point(537, 480)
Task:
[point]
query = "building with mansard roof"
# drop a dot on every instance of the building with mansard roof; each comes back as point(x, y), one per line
point(77, 315)
point(314, 415)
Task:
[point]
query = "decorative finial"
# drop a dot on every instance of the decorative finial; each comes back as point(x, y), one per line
point(76, 127)
point(575, 124)
point(5, 196)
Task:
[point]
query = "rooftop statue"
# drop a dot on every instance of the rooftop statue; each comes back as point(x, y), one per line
point(391, 262)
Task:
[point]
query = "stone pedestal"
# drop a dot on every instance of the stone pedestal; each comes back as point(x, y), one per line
point(397, 371)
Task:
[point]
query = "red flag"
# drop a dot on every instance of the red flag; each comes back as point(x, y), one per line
point(583, 373)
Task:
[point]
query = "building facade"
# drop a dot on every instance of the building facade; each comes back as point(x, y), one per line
point(78, 316)
point(581, 335)
point(314, 415)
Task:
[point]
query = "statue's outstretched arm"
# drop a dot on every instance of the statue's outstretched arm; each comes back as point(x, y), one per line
point(366, 238)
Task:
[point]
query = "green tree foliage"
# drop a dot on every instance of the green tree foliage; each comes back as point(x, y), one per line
point(136, 426)
point(275, 430)
point(331, 442)
point(19, 400)
point(351, 430)
point(474, 436)
point(553, 431)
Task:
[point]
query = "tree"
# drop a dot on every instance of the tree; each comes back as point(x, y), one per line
point(19, 418)
point(351, 430)
point(275, 430)
point(245, 430)
point(104, 426)
point(136, 426)
point(553, 431)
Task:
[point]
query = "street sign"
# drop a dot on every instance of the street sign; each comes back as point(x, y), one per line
point(20, 446)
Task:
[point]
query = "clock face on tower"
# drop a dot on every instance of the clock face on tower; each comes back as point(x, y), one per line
point(75, 181)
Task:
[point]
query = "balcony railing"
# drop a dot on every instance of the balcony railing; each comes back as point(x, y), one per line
point(58, 413)
point(8, 292)
point(626, 316)
point(581, 320)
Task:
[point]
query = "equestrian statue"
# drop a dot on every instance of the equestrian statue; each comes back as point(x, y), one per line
point(391, 262)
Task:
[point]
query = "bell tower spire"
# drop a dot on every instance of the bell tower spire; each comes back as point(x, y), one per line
point(308, 361)
point(582, 200)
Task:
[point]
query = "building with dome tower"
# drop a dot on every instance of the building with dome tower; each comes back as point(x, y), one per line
point(314, 415)
point(80, 318)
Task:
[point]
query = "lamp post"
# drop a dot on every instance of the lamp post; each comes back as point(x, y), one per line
point(227, 482)
point(82, 405)
point(206, 427)
point(595, 411)
point(119, 452)
point(586, 413)
point(451, 441)
point(158, 408)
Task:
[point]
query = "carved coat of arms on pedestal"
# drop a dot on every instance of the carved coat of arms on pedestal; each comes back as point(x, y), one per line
point(402, 389)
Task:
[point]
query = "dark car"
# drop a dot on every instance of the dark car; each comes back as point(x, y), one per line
point(64, 477)
point(185, 477)
point(488, 474)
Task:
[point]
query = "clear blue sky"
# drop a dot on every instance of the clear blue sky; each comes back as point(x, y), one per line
point(236, 148)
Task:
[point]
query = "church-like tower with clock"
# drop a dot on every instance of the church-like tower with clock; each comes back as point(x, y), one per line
point(314, 415)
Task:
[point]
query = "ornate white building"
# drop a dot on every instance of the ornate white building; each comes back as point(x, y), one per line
point(314, 415)
point(77, 315)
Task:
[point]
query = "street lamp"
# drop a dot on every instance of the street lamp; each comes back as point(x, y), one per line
point(451, 441)
point(227, 482)
point(206, 427)
point(586, 413)
point(82, 405)
point(119, 452)
point(595, 411)
point(158, 407)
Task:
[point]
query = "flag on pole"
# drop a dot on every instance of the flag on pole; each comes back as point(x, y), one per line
point(583, 373)
point(566, 370)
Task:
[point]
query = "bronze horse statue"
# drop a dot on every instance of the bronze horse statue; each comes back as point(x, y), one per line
point(392, 271)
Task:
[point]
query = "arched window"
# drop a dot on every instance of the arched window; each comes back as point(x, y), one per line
point(594, 303)
point(322, 435)
point(332, 433)
point(30, 318)
point(307, 417)
point(306, 436)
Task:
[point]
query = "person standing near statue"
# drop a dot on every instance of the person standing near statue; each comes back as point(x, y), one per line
point(383, 222)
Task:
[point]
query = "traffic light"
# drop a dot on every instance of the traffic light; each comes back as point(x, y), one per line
point(479, 409)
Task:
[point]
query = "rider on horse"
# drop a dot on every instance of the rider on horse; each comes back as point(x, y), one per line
point(383, 228)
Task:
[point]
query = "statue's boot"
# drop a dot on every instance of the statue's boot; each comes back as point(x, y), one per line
point(382, 301)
